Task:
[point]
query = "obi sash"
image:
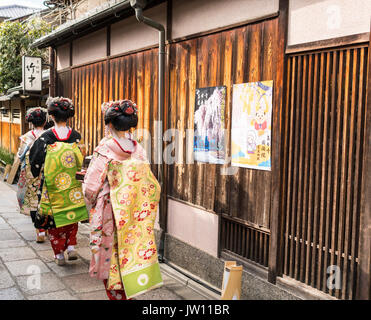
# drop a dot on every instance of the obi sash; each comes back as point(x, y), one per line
point(62, 195)
point(135, 194)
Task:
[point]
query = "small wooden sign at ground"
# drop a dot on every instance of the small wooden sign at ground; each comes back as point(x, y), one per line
point(6, 172)
point(13, 171)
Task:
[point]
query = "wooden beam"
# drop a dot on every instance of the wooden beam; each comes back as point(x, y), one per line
point(169, 20)
point(329, 43)
point(52, 75)
point(71, 53)
point(23, 117)
point(364, 270)
point(165, 168)
point(274, 259)
point(108, 42)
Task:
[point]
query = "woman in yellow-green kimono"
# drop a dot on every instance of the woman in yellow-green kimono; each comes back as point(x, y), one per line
point(58, 154)
point(123, 194)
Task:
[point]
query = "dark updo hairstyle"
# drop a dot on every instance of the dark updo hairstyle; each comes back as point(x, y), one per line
point(123, 114)
point(37, 116)
point(61, 108)
point(49, 124)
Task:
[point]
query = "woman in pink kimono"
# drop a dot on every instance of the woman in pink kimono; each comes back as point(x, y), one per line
point(123, 195)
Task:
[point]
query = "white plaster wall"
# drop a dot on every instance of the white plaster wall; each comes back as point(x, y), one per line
point(90, 47)
point(63, 56)
point(87, 5)
point(194, 16)
point(313, 20)
point(128, 35)
point(194, 226)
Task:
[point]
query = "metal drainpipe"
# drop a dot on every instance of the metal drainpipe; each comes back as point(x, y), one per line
point(161, 94)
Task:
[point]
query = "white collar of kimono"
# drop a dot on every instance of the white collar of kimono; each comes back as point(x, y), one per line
point(62, 131)
point(126, 142)
point(38, 132)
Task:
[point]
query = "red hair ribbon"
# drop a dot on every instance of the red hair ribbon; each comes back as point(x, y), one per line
point(129, 110)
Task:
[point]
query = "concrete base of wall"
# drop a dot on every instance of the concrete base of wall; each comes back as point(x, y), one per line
point(209, 269)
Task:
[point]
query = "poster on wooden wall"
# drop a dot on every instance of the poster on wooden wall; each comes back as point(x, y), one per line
point(209, 144)
point(251, 125)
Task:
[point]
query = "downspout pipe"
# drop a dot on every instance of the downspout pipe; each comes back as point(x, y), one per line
point(138, 7)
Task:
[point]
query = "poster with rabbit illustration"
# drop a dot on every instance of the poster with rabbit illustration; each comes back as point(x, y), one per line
point(209, 121)
point(251, 125)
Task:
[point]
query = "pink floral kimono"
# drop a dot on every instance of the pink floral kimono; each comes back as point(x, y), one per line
point(110, 243)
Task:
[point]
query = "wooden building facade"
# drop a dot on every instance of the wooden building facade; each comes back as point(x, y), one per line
point(13, 108)
point(307, 218)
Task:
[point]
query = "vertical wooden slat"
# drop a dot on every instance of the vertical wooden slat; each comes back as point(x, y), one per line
point(301, 157)
point(331, 176)
point(295, 170)
point(318, 122)
point(324, 172)
point(289, 241)
point(336, 163)
point(276, 216)
point(364, 277)
point(349, 175)
point(307, 167)
point(357, 174)
point(343, 195)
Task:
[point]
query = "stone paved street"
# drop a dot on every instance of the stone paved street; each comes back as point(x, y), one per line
point(22, 261)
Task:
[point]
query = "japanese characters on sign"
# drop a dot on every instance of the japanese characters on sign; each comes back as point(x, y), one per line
point(31, 73)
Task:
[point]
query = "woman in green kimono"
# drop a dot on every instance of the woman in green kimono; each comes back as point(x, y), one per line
point(58, 154)
point(124, 195)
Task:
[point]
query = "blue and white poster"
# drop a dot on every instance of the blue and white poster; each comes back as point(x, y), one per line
point(209, 120)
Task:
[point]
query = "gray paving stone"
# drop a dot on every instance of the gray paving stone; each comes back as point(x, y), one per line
point(26, 267)
point(58, 295)
point(46, 255)
point(6, 280)
point(19, 220)
point(24, 227)
point(81, 283)
point(8, 235)
point(84, 228)
point(11, 294)
point(70, 268)
point(82, 241)
point(12, 243)
point(85, 253)
point(5, 226)
point(40, 283)
point(28, 235)
point(12, 254)
point(8, 205)
point(6, 214)
point(96, 295)
point(40, 246)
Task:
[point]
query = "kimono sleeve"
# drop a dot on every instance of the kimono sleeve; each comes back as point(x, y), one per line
point(37, 156)
point(141, 153)
point(23, 148)
point(94, 178)
point(82, 147)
